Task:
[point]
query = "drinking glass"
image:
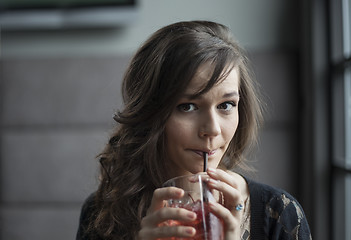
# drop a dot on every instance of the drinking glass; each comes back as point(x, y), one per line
point(196, 199)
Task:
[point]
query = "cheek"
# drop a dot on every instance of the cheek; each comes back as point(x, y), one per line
point(176, 131)
point(171, 136)
point(230, 128)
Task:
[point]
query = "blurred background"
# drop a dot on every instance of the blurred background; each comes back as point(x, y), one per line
point(61, 69)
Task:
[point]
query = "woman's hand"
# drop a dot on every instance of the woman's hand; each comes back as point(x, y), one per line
point(152, 226)
point(230, 187)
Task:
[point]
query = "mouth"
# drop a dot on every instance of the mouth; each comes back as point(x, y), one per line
point(201, 153)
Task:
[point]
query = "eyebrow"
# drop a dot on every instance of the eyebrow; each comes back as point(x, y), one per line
point(226, 95)
point(231, 94)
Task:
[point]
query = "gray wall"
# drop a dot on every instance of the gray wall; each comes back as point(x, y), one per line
point(59, 90)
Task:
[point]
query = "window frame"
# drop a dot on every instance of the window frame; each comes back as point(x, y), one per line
point(340, 82)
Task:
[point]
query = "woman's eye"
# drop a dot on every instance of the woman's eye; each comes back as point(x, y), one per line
point(226, 106)
point(187, 107)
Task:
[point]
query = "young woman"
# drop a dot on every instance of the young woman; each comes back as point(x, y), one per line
point(187, 91)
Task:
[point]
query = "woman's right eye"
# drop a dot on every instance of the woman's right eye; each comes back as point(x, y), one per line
point(186, 107)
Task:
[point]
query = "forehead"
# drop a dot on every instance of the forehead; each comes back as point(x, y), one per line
point(203, 75)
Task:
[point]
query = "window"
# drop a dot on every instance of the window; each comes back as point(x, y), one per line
point(340, 82)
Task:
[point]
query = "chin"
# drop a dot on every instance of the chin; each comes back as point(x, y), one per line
point(197, 171)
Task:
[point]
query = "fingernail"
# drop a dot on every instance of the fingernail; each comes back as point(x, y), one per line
point(191, 215)
point(179, 192)
point(211, 170)
point(190, 231)
point(212, 182)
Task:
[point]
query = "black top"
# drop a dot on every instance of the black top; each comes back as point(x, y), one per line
point(275, 214)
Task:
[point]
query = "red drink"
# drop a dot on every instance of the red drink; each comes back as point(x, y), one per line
point(207, 225)
point(196, 199)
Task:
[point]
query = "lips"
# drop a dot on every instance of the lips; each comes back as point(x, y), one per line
point(210, 153)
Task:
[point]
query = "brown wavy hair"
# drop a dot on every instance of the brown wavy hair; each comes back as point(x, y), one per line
point(132, 164)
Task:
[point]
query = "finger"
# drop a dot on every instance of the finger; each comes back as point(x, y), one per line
point(227, 184)
point(223, 176)
point(167, 232)
point(232, 196)
point(162, 194)
point(196, 178)
point(231, 223)
point(175, 214)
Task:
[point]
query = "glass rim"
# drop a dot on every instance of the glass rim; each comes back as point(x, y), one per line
point(174, 179)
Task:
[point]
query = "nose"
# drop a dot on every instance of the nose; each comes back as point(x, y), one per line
point(209, 125)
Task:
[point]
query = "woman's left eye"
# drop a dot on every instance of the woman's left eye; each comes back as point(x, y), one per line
point(226, 106)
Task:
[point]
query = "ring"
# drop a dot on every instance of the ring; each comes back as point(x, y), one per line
point(239, 207)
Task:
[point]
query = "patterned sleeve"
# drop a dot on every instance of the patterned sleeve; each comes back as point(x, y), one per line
point(286, 219)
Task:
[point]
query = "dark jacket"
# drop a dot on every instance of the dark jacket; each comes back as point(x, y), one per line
point(275, 214)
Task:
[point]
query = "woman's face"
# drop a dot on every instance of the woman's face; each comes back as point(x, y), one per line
point(206, 123)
